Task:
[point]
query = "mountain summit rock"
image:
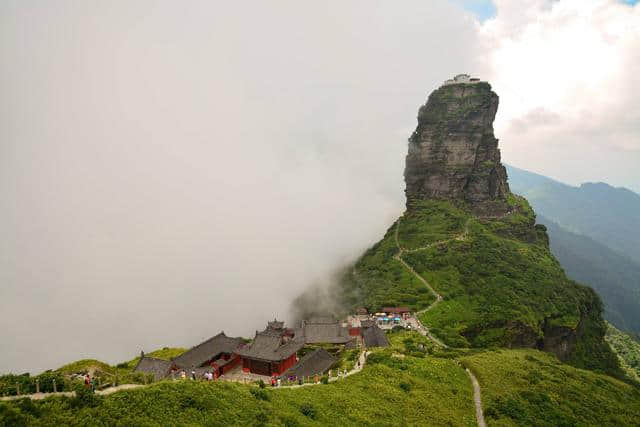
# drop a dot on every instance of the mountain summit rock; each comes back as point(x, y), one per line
point(453, 153)
point(467, 254)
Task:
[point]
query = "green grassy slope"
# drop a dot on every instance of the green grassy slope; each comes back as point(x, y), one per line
point(528, 387)
point(627, 348)
point(501, 284)
point(389, 391)
point(378, 280)
point(412, 382)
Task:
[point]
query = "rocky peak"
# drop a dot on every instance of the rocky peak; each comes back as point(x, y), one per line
point(453, 153)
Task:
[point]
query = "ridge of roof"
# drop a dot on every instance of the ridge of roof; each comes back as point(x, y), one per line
point(220, 342)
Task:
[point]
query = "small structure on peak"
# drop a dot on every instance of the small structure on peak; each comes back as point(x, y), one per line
point(461, 78)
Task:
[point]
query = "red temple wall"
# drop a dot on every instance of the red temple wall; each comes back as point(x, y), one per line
point(229, 366)
point(285, 364)
point(276, 368)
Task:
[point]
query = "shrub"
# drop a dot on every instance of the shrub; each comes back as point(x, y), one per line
point(405, 387)
point(261, 384)
point(28, 407)
point(260, 394)
point(289, 422)
point(308, 410)
point(262, 418)
point(324, 379)
point(85, 397)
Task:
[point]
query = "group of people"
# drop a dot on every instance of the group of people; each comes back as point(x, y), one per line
point(292, 379)
point(90, 382)
point(209, 376)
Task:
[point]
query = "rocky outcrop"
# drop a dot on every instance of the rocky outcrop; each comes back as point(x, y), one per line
point(453, 153)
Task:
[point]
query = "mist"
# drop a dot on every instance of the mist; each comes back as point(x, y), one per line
point(170, 170)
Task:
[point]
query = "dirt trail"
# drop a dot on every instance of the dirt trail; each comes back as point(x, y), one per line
point(424, 330)
point(38, 396)
point(477, 400)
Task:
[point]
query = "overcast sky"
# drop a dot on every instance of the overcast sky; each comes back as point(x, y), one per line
point(172, 169)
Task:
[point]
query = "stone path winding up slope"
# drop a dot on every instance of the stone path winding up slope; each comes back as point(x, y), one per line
point(423, 329)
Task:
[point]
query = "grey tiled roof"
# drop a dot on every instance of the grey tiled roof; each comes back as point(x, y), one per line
point(207, 350)
point(367, 323)
point(150, 365)
point(374, 337)
point(316, 362)
point(270, 347)
point(324, 330)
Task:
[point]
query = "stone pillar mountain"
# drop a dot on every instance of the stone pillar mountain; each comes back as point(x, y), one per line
point(453, 153)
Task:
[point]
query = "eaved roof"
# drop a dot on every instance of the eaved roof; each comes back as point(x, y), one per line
point(275, 325)
point(270, 347)
point(324, 330)
point(150, 365)
point(397, 310)
point(374, 337)
point(207, 350)
point(316, 362)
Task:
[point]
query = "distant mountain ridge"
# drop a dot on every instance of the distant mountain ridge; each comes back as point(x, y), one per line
point(591, 255)
point(607, 214)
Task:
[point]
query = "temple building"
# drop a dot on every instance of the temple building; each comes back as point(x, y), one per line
point(403, 312)
point(272, 351)
point(372, 335)
point(316, 362)
point(216, 355)
point(150, 365)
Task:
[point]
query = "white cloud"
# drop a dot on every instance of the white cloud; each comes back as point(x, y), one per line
point(577, 62)
point(168, 170)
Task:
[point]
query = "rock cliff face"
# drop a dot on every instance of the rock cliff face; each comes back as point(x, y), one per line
point(453, 154)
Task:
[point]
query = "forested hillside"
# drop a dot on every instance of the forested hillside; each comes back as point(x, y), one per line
point(587, 227)
point(613, 275)
point(607, 214)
